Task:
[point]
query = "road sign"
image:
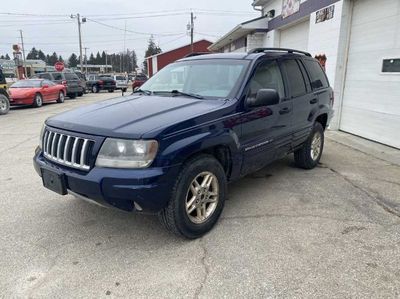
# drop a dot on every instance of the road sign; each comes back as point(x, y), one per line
point(59, 66)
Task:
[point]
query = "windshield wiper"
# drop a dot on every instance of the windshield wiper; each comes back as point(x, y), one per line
point(146, 92)
point(186, 94)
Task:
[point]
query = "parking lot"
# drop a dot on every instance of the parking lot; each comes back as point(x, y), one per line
point(285, 232)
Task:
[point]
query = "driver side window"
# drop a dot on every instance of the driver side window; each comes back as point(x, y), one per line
point(267, 76)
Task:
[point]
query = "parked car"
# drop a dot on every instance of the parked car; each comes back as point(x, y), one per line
point(138, 81)
point(121, 82)
point(199, 123)
point(35, 92)
point(82, 80)
point(68, 79)
point(96, 83)
point(4, 97)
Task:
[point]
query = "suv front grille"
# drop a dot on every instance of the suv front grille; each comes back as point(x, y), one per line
point(67, 150)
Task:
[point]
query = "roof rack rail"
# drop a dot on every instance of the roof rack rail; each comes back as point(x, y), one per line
point(197, 54)
point(261, 50)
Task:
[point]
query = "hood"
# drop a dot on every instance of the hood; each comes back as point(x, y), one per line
point(132, 116)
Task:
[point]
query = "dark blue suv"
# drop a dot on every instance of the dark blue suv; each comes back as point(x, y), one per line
point(171, 147)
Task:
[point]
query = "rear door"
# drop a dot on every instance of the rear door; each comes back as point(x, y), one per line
point(72, 80)
point(266, 132)
point(299, 92)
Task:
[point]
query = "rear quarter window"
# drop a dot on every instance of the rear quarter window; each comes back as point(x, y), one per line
point(317, 74)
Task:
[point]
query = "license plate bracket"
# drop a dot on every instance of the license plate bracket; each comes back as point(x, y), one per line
point(54, 181)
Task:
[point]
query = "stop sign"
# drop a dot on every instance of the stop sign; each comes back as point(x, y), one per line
point(59, 66)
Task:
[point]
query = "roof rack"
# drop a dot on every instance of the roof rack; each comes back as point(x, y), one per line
point(197, 54)
point(262, 50)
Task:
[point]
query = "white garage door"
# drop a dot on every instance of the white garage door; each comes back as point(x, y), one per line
point(296, 36)
point(371, 101)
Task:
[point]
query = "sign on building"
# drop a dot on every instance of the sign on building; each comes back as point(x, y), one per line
point(290, 7)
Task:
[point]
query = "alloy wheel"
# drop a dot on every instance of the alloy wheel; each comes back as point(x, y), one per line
point(202, 197)
point(316, 144)
point(3, 104)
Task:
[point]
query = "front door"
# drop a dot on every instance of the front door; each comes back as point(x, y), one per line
point(266, 131)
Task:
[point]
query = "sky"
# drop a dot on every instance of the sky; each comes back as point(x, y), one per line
point(47, 25)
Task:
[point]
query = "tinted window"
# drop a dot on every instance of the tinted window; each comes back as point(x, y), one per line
point(317, 75)
point(45, 76)
point(57, 76)
point(120, 78)
point(267, 76)
point(47, 82)
point(71, 76)
point(27, 84)
point(295, 77)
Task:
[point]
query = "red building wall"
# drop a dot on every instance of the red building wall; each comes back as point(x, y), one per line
point(166, 58)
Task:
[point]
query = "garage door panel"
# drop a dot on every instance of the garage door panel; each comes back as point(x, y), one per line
point(371, 99)
point(295, 37)
point(380, 97)
point(375, 126)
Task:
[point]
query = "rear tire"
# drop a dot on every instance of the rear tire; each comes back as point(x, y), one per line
point(61, 97)
point(111, 90)
point(80, 94)
point(4, 104)
point(38, 100)
point(197, 198)
point(72, 95)
point(309, 155)
point(124, 89)
point(95, 89)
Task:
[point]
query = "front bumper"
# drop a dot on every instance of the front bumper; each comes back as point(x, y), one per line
point(145, 190)
point(21, 101)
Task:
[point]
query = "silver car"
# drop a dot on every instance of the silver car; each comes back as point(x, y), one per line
point(121, 81)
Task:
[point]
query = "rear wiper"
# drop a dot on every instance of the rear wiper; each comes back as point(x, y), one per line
point(192, 95)
point(146, 92)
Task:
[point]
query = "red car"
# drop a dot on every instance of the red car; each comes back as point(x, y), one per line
point(138, 81)
point(35, 92)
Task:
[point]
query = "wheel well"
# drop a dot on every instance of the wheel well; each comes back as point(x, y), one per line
point(222, 154)
point(322, 119)
point(4, 92)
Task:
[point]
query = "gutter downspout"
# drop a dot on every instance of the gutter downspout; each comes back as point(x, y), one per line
point(260, 10)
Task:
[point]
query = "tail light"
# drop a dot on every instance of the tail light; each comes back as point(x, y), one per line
point(64, 82)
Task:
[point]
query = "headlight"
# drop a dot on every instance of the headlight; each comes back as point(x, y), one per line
point(122, 153)
point(41, 136)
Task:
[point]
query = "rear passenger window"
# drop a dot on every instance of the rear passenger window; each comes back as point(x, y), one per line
point(317, 75)
point(45, 76)
point(57, 76)
point(267, 76)
point(295, 77)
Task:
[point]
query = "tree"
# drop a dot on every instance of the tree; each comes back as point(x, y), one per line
point(152, 49)
point(33, 54)
point(52, 59)
point(60, 58)
point(103, 58)
point(2, 57)
point(41, 55)
point(7, 57)
point(73, 60)
point(98, 58)
point(92, 60)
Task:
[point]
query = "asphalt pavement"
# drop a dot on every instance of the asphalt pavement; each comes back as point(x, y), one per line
point(331, 232)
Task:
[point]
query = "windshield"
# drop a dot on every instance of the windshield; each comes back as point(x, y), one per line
point(208, 78)
point(121, 78)
point(26, 84)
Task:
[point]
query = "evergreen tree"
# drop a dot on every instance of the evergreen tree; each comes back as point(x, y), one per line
point(152, 49)
point(91, 60)
point(7, 57)
point(33, 54)
point(98, 58)
point(103, 58)
point(2, 57)
point(73, 60)
point(53, 59)
point(60, 58)
point(41, 55)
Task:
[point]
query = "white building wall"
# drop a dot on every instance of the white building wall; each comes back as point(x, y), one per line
point(255, 40)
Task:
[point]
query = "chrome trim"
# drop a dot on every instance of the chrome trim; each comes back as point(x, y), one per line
point(56, 151)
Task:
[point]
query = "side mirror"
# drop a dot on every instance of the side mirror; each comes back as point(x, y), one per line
point(45, 86)
point(264, 97)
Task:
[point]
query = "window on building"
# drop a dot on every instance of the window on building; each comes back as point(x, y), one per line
point(391, 65)
point(267, 76)
point(296, 82)
point(317, 75)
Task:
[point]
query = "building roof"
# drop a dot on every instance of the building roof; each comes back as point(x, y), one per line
point(196, 42)
point(239, 31)
point(260, 2)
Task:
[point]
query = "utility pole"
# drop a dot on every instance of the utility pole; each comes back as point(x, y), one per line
point(23, 51)
point(106, 60)
point(78, 17)
point(191, 31)
point(123, 52)
point(85, 61)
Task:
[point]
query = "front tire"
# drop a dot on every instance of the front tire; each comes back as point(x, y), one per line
point(309, 155)
point(95, 89)
point(38, 100)
point(72, 95)
point(197, 198)
point(61, 97)
point(111, 90)
point(4, 104)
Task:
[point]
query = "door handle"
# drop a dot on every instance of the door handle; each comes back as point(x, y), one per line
point(284, 110)
point(314, 101)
